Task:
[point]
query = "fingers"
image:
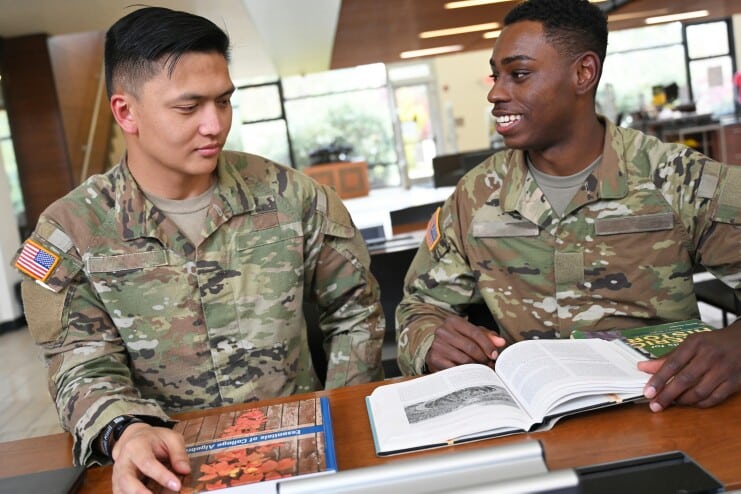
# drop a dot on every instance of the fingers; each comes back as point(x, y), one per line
point(143, 451)
point(496, 340)
point(674, 376)
point(125, 478)
point(703, 371)
point(457, 342)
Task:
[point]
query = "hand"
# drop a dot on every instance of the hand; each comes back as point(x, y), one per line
point(703, 370)
point(458, 342)
point(143, 450)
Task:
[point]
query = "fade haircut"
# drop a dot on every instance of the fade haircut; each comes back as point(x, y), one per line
point(572, 26)
point(141, 43)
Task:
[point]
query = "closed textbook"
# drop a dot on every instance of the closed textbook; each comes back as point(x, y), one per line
point(536, 382)
point(255, 450)
point(653, 341)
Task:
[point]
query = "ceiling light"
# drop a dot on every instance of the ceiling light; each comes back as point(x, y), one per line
point(471, 3)
point(431, 51)
point(677, 17)
point(492, 34)
point(459, 4)
point(636, 15)
point(459, 30)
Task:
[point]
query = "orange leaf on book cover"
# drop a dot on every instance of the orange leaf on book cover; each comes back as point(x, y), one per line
point(216, 485)
point(274, 476)
point(286, 464)
point(249, 476)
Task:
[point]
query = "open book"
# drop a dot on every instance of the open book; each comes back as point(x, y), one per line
point(257, 449)
point(536, 382)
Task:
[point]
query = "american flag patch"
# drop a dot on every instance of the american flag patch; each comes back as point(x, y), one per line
point(36, 261)
point(432, 236)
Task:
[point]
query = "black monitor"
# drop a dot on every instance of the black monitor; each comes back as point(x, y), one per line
point(449, 169)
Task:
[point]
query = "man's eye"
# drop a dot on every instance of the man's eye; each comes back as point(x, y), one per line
point(519, 75)
point(494, 77)
point(186, 108)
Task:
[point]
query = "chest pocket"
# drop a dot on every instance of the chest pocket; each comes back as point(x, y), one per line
point(138, 287)
point(634, 224)
point(269, 260)
point(126, 262)
point(506, 227)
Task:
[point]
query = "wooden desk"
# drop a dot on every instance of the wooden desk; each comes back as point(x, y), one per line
point(712, 437)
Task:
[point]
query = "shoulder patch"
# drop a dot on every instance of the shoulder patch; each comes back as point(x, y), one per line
point(36, 261)
point(729, 195)
point(432, 236)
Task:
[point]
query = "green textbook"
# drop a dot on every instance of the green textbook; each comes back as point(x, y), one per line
point(652, 341)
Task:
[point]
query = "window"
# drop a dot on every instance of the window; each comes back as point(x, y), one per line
point(7, 159)
point(698, 58)
point(711, 68)
point(637, 61)
point(289, 119)
point(416, 107)
point(259, 124)
point(347, 107)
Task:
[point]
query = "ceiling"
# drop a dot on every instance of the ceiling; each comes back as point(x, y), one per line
point(287, 37)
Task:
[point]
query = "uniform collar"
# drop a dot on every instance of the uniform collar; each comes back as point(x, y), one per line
point(139, 217)
point(520, 193)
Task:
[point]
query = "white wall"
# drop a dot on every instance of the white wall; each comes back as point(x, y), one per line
point(463, 82)
point(10, 240)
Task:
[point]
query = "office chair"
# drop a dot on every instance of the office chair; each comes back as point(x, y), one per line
point(716, 293)
point(315, 338)
point(412, 218)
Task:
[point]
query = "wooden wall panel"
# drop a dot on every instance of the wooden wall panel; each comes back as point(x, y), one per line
point(77, 62)
point(35, 122)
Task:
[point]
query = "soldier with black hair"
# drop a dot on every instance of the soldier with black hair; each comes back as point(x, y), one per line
point(577, 225)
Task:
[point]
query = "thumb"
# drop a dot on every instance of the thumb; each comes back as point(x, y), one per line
point(496, 339)
point(651, 366)
point(179, 460)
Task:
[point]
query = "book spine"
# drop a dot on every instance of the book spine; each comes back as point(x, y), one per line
point(328, 434)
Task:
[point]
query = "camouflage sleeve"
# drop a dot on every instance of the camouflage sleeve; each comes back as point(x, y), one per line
point(704, 194)
point(717, 227)
point(347, 294)
point(439, 283)
point(89, 379)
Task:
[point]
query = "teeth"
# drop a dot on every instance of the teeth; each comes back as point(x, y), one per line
point(508, 119)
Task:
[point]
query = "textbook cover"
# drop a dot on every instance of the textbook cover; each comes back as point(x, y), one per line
point(251, 451)
point(652, 341)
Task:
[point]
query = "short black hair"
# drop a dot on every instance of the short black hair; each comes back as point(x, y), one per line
point(137, 43)
point(572, 26)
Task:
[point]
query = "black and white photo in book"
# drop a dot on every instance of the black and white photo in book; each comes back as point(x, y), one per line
point(535, 383)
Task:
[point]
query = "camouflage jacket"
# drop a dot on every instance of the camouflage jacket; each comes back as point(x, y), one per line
point(135, 319)
point(622, 255)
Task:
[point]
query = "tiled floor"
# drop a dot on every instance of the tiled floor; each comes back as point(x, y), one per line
point(26, 409)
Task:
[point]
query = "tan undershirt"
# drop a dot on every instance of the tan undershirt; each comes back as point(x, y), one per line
point(188, 214)
point(560, 190)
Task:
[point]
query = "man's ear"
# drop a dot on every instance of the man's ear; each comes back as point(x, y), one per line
point(123, 113)
point(587, 72)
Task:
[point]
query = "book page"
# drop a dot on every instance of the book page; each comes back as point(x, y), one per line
point(549, 376)
point(443, 407)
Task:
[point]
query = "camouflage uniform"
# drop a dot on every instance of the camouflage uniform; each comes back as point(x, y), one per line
point(135, 319)
point(621, 256)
